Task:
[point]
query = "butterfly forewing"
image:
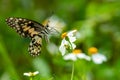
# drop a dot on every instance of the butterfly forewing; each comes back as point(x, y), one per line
point(25, 27)
point(29, 28)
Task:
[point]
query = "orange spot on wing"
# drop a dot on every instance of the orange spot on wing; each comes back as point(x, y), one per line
point(32, 31)
point(25, 28)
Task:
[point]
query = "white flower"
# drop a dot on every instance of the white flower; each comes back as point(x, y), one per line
point(98, 58)
point(30, 74)
point(76, 54)
point(67, 43)
point(63, 46)
point(71, 36)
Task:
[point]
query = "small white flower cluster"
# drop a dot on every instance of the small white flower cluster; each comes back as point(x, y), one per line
point(68, 42)
point(31, 74)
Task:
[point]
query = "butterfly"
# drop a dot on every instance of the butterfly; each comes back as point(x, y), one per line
point(32, 29)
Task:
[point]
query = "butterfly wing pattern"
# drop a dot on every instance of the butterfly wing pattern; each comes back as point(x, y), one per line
point(31, 29)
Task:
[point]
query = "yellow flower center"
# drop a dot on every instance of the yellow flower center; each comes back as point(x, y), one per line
point(31, 74)
point(77, 51)
point(92, 50)
point(64, 35)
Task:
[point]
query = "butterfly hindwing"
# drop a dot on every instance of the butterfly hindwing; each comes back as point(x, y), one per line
point(35, 45)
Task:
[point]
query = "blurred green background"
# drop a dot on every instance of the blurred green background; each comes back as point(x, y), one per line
point(97, 20)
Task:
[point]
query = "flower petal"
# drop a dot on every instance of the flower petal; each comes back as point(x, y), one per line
point(62, 47)
point(71, 36)
point(70, 57)
point(35, 73)
point(72, 39)
point(98, 58)
point(71, 33)
point(83, 56)
point(26, 74)
point(73, 45)
point(62, 50)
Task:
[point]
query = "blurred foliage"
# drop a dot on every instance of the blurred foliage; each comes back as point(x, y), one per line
point(98, 22)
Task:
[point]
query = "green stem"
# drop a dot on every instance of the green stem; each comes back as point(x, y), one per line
point(72, 74)
point(31, 78)
point(70, 45)
point(83, 77)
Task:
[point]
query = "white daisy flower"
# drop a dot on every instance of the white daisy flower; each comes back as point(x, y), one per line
point(30, 74)
point(63, 46)
point(76, 54)
point(97, 58)
point(67, 42)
